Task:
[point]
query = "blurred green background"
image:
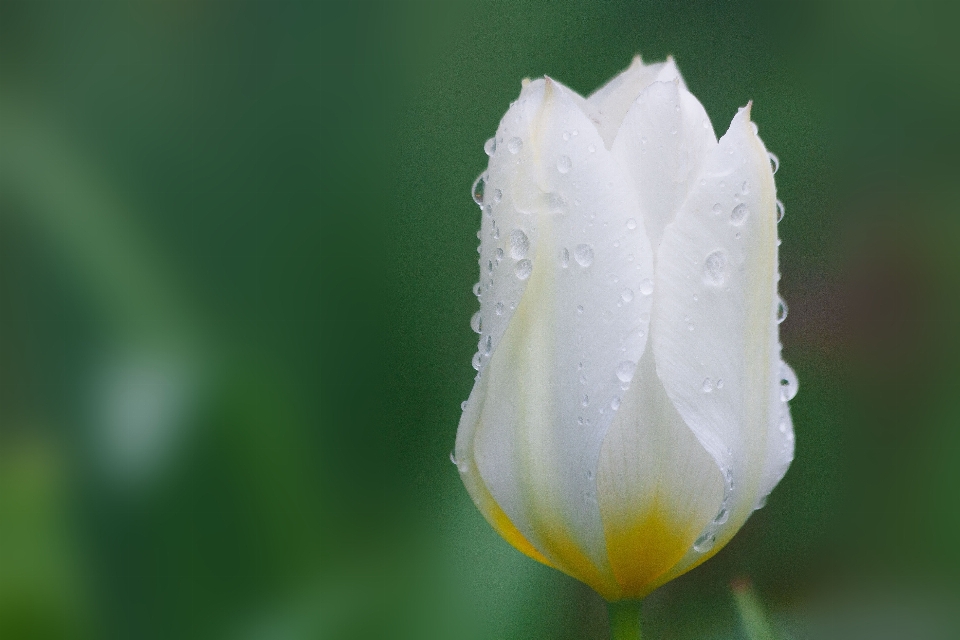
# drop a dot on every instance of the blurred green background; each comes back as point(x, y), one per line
point(236, 252)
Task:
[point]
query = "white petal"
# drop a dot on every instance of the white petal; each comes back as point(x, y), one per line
point(657, 485)
point(714, 330)
point(583, 316)
point(609, 104)
point(664, 141)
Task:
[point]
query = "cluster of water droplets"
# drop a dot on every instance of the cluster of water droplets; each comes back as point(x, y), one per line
point(708, 538)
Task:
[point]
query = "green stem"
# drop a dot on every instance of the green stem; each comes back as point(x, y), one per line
point(624, 620)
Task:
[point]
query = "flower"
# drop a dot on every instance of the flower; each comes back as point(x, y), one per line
point(630, 408)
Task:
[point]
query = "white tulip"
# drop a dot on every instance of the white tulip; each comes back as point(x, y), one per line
point(630, 410)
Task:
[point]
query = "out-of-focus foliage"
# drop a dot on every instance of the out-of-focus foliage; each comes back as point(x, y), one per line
point(236, 252)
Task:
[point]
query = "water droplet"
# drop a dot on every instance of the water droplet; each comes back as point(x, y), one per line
point(579, 308)
point(564, 258)
point(739, 214)
point(476, 361)
point(717, 208)
point(631, 223)
point(583, 255)
point(475, 322)
point(498, 309)
point(721, 516)
point(719, 383)
point(774, 160)
point(477, 189)
point(756, 129)
point(514, 145)
point(523, 269)
point(476, 289)
point(488, 345)
point(497, 196)
point(781, 310)
point(564, 164)
point(625, 370)
point(646, 286)
point(707, 385)
point(490, 146)
point(585, 401)
point(788, 383)
point(555, 202)
point(490, 266)
point(615, 403)
point(498, 254)
point(714, 267)
point(592, 149)
point(519, 244)
point(780, 211)
point(453, 455)
point(566, 136)
point(626, 295)
point(705, 542)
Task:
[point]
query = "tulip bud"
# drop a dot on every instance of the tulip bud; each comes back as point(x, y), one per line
point(630, 408)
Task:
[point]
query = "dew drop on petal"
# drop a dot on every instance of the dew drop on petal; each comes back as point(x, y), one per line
point(498, 309)
point(705, 542)
point(615, 403)
point(475, 322)
point(632, 224)
point(477, 189)
point(646, 286)
point(781, 310)
point(591, 149)
point(788, 383)
point(497, 196)
point(514, 145)
point(625, 370)
point(519, 244)
point(717, 208)
point(780, 210)
point(583, 255)
point(498, 254)
point(722, 516)
point(739, 214)
point(476, 361)
point(579, 308)
point(564, 258)
point(564, 164)
point(488, 345)
point(490, 146)
point(523, 269)
point(585, 401)
point(707, 385)
point(774, 160)
point(714, 268)
point(626, 295)
point(476, 289)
